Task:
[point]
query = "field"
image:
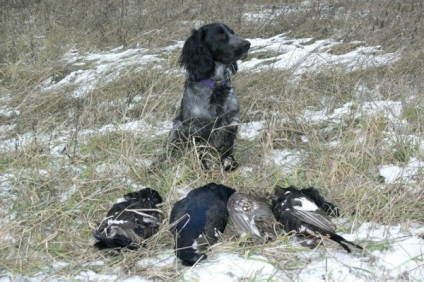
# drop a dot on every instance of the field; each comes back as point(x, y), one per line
point(330, 97)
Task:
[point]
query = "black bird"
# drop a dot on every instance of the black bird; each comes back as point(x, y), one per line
point(198, 220)
point(313, 194)
point(129, 223)
point(252, 215)
point(297, 212)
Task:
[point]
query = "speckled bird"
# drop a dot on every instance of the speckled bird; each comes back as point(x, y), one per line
point(198, 220)
point(252, 215)
point(129, 223)
point(297, 212)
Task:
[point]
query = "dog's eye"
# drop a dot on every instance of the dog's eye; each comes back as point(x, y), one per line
point(220, 36)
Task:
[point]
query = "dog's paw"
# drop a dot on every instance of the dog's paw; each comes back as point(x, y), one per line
point(229, 163)
point(207, 164)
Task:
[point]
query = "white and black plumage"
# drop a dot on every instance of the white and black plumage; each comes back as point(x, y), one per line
point(314, 195)
point(297, 212)
point(129, 223)
point(198, 220)
point(251, 215)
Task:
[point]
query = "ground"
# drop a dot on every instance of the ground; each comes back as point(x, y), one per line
point(330, 102)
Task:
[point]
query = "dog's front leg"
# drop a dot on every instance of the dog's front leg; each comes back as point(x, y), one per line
point(226, 151)
point(172, 143)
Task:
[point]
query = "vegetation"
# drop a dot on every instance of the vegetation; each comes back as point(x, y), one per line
point(51, 199)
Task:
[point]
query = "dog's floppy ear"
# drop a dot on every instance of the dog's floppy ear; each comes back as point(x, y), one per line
point(196, 57)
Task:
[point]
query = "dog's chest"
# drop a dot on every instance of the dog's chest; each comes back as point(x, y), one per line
point(210, 103)
point(223, 100)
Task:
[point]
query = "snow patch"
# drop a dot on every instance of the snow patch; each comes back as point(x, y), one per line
point(166, 258)
point(307, 55)
point(99, 69)
point(251, 130)
point(90, 275)
point(402, 174)
point(65, 196)
point(286, 159)
point(231, 267)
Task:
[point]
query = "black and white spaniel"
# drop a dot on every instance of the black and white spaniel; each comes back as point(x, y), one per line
point(209, 112)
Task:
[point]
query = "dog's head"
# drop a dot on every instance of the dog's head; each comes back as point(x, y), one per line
point(212, 43)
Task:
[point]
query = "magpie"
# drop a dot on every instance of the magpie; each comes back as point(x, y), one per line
point(198, 220)
point(252, 215)
point(129, 223)
point(297, 212)
point(314, 195)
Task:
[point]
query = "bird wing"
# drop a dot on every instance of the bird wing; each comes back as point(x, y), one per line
point(216, 219)
point(307, 211)
point(243, 223)
point(179, 214)
point(265, 218)
point(316, 218)
point(314, 195)
point(242, 210)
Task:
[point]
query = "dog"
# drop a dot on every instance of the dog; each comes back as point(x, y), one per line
point(209, 113)
point(297, 212)
point(198, 220)
point(128, 224)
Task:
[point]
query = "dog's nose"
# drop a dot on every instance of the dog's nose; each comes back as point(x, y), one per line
point(246, 44)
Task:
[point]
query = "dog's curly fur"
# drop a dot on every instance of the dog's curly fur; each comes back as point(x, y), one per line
point(209, 113)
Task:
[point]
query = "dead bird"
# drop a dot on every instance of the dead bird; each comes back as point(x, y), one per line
point(314, 195)
point(129, 223)
point(252, 215)
point(198, 220)
point(297, 212)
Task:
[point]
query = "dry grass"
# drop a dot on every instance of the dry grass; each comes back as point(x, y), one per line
point(39, 229)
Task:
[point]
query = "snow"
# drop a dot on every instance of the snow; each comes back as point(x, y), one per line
point(135, 278)
point(405, 251)
point(406, 256)
point(251, 130)
point(390, 110)
point(5, 279)
point(58, 140)
point(286, 159)
point(65, 196)
point(229, 267)
point(307, 55)
point(162, 260)
point(90, 275)
point(300, 55)
point(8, 112)
point(99, 69)
point(342, 267)
point(402, 174)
